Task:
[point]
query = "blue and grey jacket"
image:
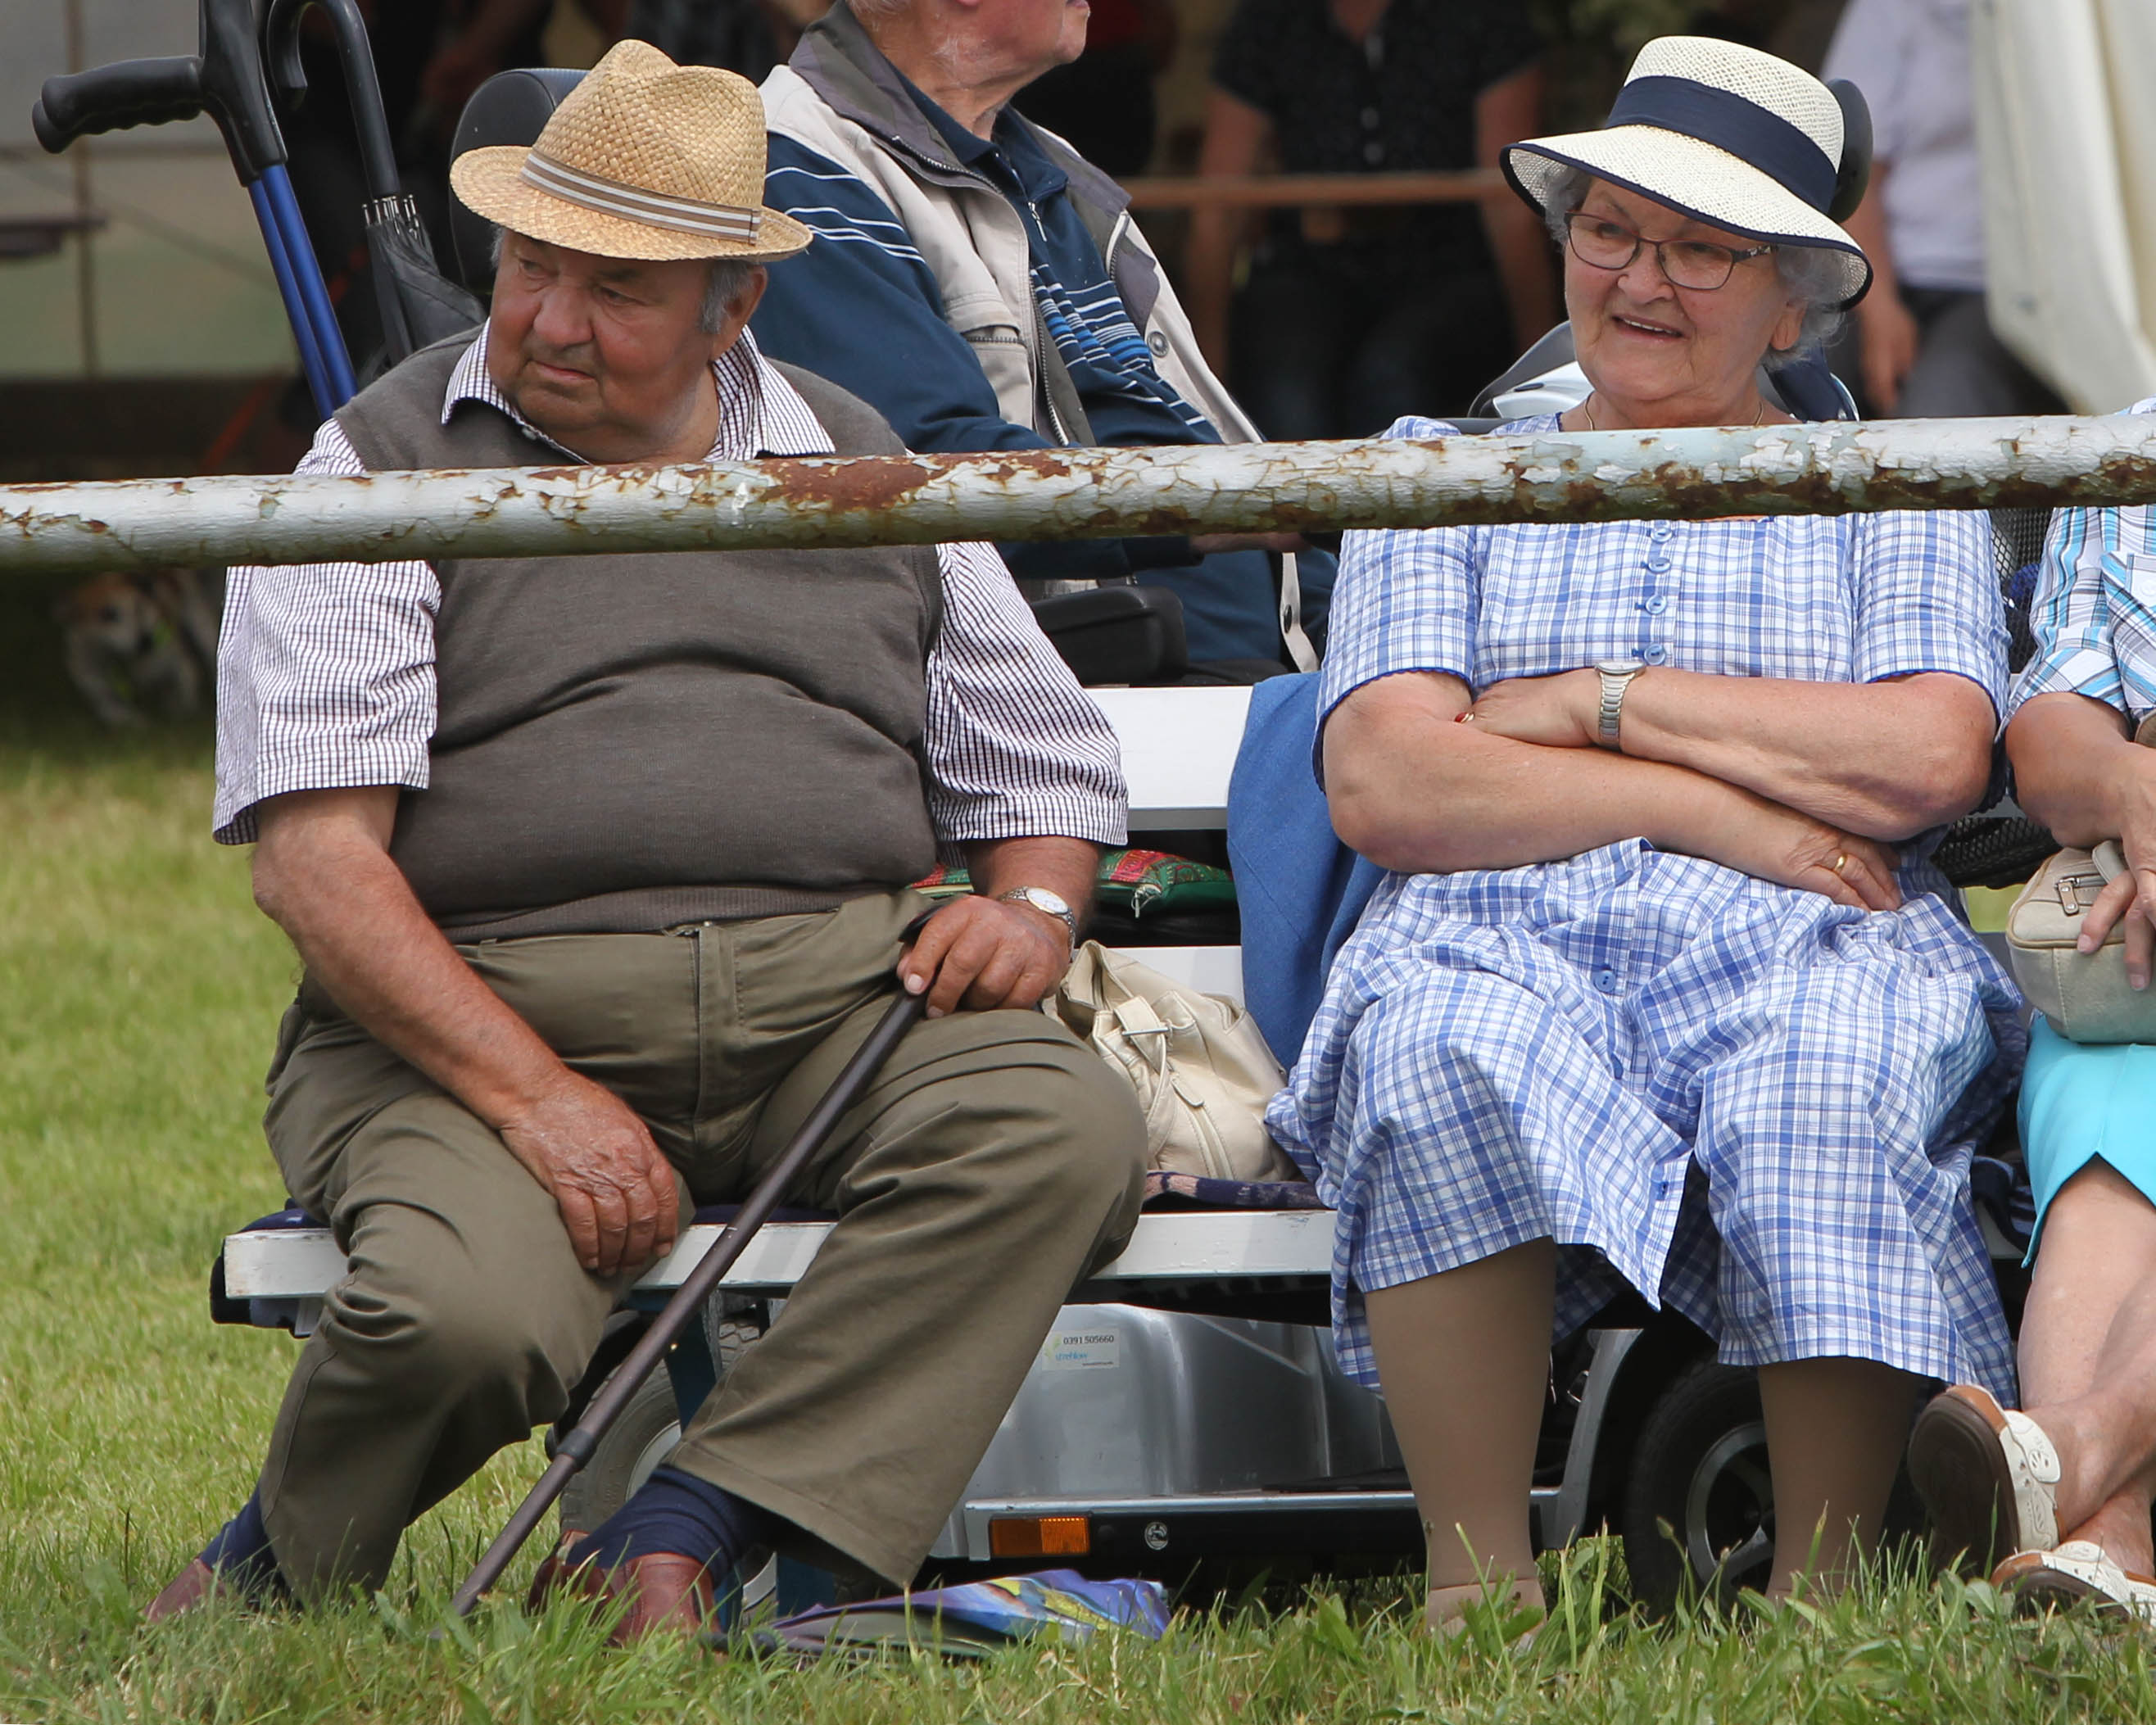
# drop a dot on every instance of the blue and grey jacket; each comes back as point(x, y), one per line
point(988, 294)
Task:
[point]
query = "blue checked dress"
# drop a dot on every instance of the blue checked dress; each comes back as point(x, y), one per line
point(1745, 1100)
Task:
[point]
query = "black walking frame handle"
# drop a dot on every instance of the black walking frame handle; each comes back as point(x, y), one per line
point(224, 81)
point(575, 1449)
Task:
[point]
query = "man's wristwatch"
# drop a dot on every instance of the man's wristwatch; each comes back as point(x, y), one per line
point(1617, 675)
point(1041, 899)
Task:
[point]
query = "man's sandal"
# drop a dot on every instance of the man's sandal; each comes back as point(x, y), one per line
point(2078, 1573)
point(1988, 1477)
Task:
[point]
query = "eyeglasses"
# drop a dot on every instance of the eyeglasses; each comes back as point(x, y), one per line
point(1699, 265)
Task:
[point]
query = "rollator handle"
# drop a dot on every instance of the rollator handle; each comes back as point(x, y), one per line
point(77, 105)
point(223, 80)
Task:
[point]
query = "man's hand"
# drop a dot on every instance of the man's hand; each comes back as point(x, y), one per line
point(984, 953)
point(1560, 712)
point(615, 1191)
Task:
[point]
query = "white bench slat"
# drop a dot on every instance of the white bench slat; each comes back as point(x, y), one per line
point(1179, 751)
point(303, 1263)
point(1210, 970)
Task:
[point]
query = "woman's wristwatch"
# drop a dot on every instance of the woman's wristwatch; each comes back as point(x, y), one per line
point(1617, 675)
point(1051, 904)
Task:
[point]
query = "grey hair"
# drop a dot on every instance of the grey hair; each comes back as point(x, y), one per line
point(1811, 274)
point(728, 280)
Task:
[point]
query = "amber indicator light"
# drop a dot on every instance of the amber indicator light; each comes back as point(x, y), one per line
point(1040, 1536)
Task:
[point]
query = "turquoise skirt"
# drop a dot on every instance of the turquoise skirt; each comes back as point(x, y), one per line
point(2080, 1100)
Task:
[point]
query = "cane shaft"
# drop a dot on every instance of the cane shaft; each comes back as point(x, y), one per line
point(688, 1299)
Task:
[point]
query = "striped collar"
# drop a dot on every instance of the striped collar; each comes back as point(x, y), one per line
point(760, 413)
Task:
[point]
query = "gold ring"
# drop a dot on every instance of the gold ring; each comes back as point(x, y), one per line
point(1840, 861)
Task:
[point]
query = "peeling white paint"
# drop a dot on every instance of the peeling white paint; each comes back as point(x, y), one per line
point(1058, 494)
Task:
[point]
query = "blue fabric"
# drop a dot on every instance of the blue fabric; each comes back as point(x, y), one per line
point(1301, 890)
point(1748, 1102)
point(2081, 1102)
point(675, 1512)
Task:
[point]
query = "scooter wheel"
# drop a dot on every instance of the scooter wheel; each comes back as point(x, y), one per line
point(1698, 1505)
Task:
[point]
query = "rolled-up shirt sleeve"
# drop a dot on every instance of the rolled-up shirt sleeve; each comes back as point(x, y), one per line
point(1015, 749)
point(2094, 613)
point(1928, 599)
point(324, 673)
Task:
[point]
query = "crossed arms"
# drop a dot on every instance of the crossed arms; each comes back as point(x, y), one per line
point(1775, 777)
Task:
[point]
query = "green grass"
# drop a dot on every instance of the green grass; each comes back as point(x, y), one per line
point(138, 993)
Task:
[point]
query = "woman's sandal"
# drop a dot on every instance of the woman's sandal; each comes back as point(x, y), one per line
point(2076, 1572)
point(1988, 1477)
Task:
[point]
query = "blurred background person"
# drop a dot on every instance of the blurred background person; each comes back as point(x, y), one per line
point(1923, 345)
point(1352, 317)
point(749, 37)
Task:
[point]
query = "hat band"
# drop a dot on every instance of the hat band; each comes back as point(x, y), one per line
point(655, 209)
point(1758, 135)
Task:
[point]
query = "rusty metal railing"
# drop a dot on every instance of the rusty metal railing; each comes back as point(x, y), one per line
point(1076, 493)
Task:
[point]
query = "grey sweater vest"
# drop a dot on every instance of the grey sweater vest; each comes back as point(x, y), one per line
point(628, 742)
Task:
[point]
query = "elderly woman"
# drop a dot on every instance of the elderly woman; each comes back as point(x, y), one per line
point(1661, 992)
point(2062, 1489)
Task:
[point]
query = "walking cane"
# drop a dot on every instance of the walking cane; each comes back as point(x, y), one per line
point(575, 1449)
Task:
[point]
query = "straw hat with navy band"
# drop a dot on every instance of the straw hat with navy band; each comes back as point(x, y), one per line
point(644, 159)
point(1721, 133)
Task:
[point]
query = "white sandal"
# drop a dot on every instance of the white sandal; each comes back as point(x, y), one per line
point(1988, 1477)
point(2078, 1572)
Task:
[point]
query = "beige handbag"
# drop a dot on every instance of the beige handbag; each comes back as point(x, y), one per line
point(2085, 995)
point(1202, 1072)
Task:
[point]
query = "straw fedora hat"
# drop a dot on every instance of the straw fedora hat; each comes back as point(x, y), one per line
point(644, 159)
point(1721, 133)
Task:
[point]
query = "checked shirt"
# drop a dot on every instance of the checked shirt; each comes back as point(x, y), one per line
point(2094, 613)
point(1744, 1100)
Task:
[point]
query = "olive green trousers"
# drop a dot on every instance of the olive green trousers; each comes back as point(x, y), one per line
point(994, 1162)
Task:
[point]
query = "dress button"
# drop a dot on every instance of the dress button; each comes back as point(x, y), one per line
point(1158, 341)
point(1369, 119)
point(1662, 532)
point(1374, 152)
point(1655, 655)
point(1654, 603)
point(1606, 981)
point(1658, 565)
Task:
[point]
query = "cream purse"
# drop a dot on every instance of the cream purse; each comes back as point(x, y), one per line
point(2084, 995)
point(1201, 1071)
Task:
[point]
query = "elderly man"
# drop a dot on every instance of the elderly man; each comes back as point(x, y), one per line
point(985, 289)
point(598, 866)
